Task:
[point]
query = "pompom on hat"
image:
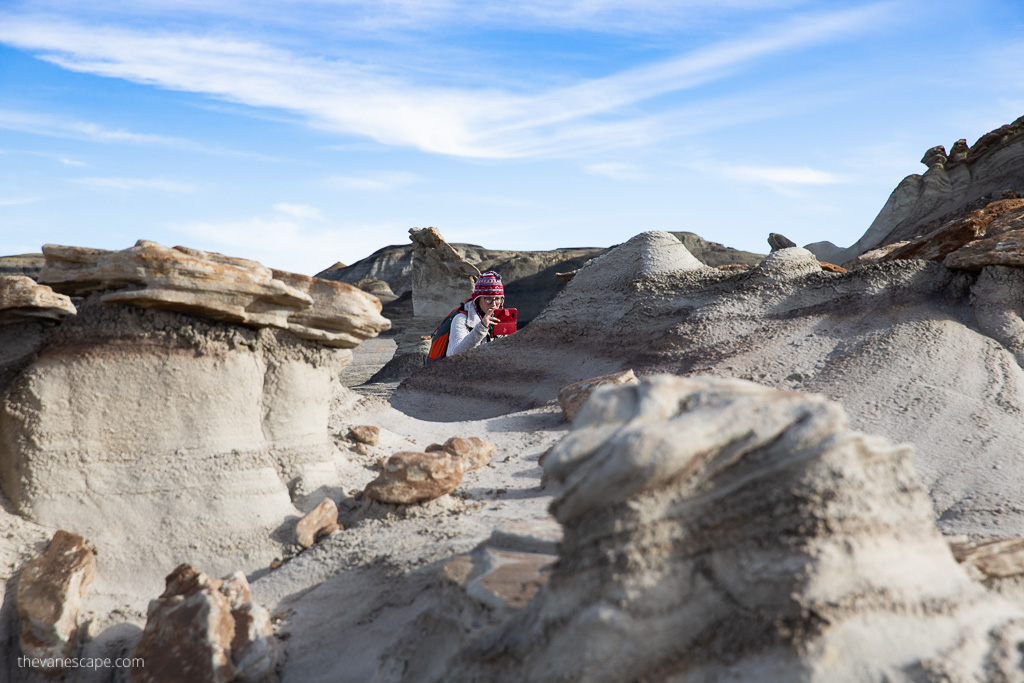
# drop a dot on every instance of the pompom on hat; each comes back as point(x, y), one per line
point(488, 284)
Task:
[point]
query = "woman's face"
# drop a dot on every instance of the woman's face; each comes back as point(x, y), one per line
point(489, 303)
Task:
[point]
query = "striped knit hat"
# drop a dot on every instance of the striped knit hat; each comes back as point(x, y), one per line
point(488, 284)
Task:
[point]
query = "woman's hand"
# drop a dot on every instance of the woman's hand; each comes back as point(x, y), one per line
point(488, 319)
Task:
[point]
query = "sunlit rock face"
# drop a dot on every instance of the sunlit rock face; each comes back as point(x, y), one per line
point(179, 403)
point(955, 184)
point(719, 530)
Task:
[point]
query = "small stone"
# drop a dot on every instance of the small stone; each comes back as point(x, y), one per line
point(474, 451)
point(367, 434)
point(434, 447)
point(361, 449)
point(572, 397)
point(410, 477)
point(276, 563)
point(318, 522)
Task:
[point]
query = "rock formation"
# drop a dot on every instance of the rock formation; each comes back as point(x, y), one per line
point(22, 264)
point(441, 277)
point(49, 600)
point(965, 180)
point(771, 543)
point(474, 451)
point(141, 400)
point(911, 349)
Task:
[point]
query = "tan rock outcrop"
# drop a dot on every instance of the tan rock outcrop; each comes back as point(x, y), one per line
point(319, 522)
point(572, 397)
point(474, 451)
point(49, 599)
point(441, 276)
point(205, 629)
point(409, 477)
point(21, 298)
point(219, 287)
point(719, 530)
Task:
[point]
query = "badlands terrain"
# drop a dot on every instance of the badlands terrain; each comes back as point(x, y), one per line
point(690, 464)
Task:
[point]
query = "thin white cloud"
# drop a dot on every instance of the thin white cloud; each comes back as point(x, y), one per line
point(387, 102)
point(780, 175)
point(300, 211)
point(17, 201)
point(131, 184)
point(617, 170)
point(284, 244)
point(375, 182)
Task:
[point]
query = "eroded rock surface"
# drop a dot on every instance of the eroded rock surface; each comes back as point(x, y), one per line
point(572, 397)
point(768, 540)
point(21, 298)
point(441, 276)
point(49, 599)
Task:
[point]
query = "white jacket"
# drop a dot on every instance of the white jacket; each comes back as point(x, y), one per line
point(467, 332)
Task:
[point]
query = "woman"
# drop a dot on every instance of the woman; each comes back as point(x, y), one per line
point(472, 326)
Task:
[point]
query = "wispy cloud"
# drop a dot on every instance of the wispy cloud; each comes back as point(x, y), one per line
point(131, 184)
point(617, 170)
point(300, 211)
point(17, 201)
point(388, 104)
point(285, 244)
point(376, 182)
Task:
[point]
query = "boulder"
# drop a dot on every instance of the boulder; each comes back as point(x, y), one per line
point(409, 477)
point(49, 599)
point(771, 543)
point(367, 434)
point(474, 451)
point(205, 629)
point(22, 299)
point(572, 397)
point(319, 522)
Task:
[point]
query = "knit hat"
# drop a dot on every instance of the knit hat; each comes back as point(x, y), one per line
point(488, 284)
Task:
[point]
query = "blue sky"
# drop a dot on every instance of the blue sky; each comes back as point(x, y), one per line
point(304, 133)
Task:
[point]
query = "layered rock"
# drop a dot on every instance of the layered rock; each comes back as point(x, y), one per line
point(218, 287)
point(205, 629)
point(719, 530)
point(49, 600)
point(22, 264)
point(989, 170)
point(22, 299)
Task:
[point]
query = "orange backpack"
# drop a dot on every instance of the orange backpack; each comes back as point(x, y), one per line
point(439, 340)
